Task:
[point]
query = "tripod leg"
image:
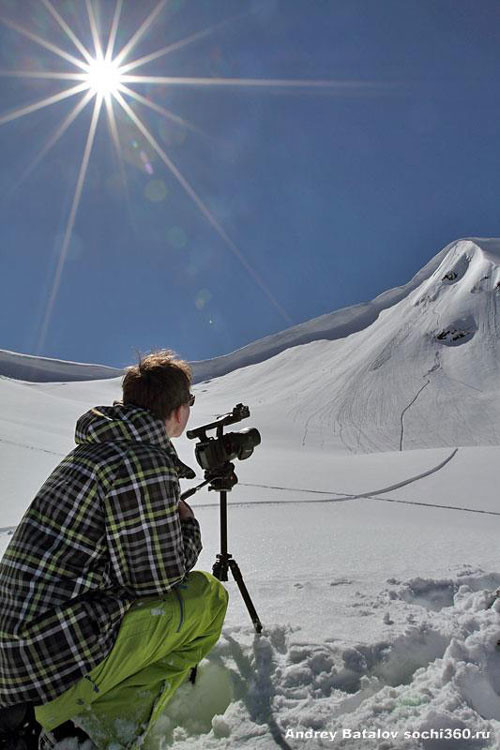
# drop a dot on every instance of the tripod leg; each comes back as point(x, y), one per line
point(246, 596)
point(219, 570)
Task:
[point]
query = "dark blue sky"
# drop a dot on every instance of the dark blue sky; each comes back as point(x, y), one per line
point(330, 195)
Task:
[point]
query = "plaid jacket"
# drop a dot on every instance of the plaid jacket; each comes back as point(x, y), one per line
point(101, 532)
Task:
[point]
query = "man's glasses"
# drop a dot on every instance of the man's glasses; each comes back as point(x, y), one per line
point(191, 399)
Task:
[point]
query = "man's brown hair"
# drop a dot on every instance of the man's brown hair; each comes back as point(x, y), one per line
point(159, 382)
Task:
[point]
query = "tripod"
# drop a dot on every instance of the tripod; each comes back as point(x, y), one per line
point(222, 480)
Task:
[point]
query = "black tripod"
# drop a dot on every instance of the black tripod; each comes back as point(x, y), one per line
point(223, 480)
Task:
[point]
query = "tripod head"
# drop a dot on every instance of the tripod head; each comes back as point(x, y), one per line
point(222, 479)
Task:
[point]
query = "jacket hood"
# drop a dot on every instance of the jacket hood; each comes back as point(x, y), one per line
point(124, 422)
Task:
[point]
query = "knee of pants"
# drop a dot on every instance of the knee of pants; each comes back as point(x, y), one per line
point(209, 588)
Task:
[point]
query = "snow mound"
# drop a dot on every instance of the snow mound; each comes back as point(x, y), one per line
point(433, 686)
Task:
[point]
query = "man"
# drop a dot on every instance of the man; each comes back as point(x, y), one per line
point(100, 619)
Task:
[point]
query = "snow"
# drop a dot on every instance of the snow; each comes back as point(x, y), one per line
point(365, 525)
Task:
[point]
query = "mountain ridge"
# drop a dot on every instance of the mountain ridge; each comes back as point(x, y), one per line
point(329, 326)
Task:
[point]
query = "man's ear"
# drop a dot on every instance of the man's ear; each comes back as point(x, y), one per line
point(177, 414)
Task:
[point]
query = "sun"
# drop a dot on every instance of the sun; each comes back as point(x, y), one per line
point(103, 77)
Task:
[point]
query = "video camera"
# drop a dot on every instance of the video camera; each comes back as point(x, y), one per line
point(213, 453)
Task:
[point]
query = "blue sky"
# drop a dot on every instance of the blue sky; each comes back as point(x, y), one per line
point(320, 196)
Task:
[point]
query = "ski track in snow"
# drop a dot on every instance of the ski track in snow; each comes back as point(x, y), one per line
point(401, 439)
point(32, 447)
point(412, 479)
point(424, 504)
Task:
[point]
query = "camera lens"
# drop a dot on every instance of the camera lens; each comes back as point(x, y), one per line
point(241, 444)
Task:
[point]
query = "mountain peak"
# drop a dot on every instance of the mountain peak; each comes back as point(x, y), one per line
point(423, 372)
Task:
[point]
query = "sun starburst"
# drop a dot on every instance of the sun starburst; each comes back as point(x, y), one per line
point(104, 77)
point(110, 78)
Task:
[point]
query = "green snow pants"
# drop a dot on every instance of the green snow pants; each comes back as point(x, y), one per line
point(158, 643)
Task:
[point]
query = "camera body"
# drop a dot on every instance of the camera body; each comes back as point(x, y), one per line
point(213, 453)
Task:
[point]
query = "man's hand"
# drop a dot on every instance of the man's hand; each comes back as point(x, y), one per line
point(185, 510)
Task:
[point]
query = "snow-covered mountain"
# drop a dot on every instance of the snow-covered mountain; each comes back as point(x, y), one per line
point(416, 367)
point(332, 326)
point(46, 370)
point(424, 373)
